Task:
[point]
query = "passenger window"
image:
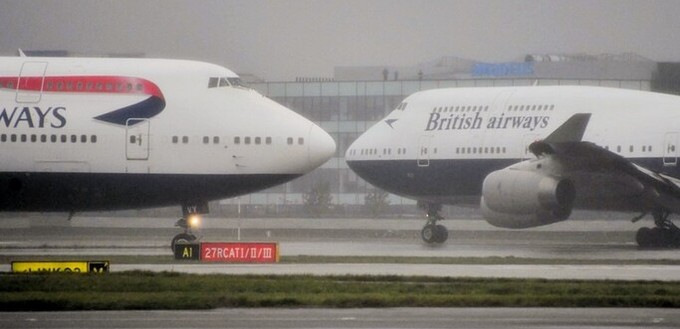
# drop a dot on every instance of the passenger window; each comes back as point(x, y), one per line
point(74, 139)
point(301, 141)
point(34, 138)
point(175, 139)
point(290, 140)
point(64, 138)
point(216, 140)
point(53, 138)
point(3, 138)
point(237, 140)
point(93, 139)
point(258, 140)
point(206, 140)
point(246, 140)
point(23, 138)
point(83, 138)
point(185, 140)
point(268, 140)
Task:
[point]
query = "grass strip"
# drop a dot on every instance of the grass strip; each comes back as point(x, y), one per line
point(492, 260)
point(137, 290)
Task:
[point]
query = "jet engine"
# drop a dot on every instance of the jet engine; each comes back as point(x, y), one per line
point(514, 198)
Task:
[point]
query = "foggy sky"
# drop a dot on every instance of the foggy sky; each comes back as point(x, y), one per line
point(282, 39)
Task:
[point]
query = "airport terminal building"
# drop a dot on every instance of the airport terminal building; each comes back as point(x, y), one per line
point(358, 97)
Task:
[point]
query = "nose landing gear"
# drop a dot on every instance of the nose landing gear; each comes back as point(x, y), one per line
point(433, 233)
point(189, 222)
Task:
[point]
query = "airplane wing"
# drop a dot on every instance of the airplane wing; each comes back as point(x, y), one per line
point(567, 173)
point(565, 146)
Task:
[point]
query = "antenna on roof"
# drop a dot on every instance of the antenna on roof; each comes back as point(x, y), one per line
point(21, 53)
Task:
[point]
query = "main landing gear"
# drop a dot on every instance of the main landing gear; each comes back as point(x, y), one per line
point(664, 235)
point(190, 221)
point(433, 233)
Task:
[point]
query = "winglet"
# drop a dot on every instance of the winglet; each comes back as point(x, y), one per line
point(570, 131)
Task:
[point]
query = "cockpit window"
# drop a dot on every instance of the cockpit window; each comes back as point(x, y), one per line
point(215, 82)
point(212, 83)
point(402, 106)
point(236, 82)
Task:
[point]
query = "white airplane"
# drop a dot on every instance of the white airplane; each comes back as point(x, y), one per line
point(529, 155)
point(89, 134)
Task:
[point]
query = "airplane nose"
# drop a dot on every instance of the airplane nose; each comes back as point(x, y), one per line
point(321, 146)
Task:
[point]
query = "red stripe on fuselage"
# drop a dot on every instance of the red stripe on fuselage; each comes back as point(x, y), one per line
point(83, 84)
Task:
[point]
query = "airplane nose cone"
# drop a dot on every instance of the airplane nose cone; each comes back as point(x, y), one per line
point(321, 146)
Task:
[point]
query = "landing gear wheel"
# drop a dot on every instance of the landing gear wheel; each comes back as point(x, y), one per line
point(442, 233)
point(664, 235)
point(644, 237)
point(433, 233)
point(429, 233)
point(182, 238)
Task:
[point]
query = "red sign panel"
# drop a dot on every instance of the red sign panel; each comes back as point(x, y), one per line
point(240, 252)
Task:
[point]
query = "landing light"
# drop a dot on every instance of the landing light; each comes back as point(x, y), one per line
point(194, 221)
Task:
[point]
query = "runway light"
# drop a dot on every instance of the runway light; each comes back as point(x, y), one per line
point(194, 221)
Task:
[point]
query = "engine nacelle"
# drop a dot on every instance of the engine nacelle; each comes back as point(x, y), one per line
point(519, 199)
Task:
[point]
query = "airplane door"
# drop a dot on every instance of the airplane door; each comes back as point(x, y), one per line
point(31, 81)
point(137, 139)
point(424, 151)
point(670, 150)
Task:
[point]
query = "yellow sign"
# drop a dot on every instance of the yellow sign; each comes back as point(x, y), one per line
point(60, 267)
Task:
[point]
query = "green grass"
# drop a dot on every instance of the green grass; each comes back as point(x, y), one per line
point(146, 290)
point(493, 260)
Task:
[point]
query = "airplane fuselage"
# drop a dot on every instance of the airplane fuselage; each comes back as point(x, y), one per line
point(439, 145)
point(95, 134)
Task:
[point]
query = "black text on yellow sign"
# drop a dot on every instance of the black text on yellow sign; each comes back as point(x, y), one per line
point(60, 267)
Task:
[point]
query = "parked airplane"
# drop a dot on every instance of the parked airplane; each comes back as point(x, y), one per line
point(89, 134)
point(532, 153)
